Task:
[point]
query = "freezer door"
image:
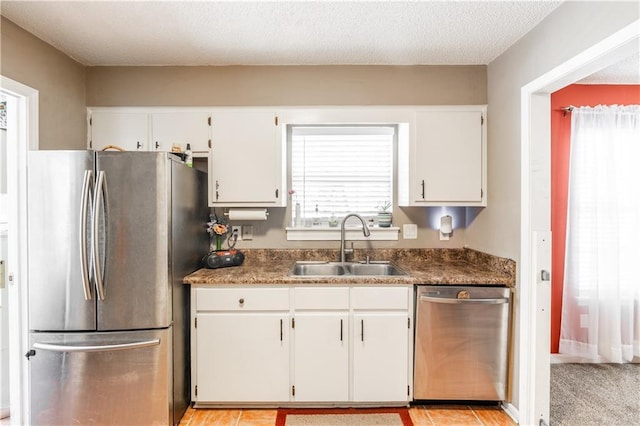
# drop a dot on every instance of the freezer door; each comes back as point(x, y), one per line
point(119, 378)
point(61, 296)
point(132, 202)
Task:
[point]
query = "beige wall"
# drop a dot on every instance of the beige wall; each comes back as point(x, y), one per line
point(59, 80)
point(286, 85)
point(295, 86)
point(569, 30)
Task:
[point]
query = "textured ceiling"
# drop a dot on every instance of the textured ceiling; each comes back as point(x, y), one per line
point(279, 32)
point(210, 32)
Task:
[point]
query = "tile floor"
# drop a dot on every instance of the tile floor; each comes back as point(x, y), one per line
point(430, 415)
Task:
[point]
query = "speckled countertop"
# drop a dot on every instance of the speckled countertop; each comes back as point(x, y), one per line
point(423, 266)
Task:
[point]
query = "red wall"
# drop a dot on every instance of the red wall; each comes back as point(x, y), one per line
point(576, 95)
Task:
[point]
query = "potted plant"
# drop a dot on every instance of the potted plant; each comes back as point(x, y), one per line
point(384, 215)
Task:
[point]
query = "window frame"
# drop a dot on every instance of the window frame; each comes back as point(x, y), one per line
point(353, 227)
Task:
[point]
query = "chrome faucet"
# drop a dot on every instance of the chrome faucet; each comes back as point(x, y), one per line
point(365, 231)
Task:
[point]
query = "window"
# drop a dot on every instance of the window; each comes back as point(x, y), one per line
point(601, 294)
point(336, 170)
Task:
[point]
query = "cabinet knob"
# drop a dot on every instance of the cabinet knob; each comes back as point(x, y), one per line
point(241, 301)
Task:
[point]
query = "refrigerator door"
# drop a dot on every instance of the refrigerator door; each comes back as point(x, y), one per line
point(61, 296)
point(119, 378)
point(132, 199)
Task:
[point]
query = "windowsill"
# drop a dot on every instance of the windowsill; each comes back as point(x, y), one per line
point(352, 233)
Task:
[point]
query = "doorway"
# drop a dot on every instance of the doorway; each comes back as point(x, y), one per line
point(535, 207)
point(21, 135)
point(4, 308)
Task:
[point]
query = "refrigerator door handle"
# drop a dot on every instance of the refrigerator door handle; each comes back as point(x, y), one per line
point(96, 348)
point(87, 182)
point(99, 196)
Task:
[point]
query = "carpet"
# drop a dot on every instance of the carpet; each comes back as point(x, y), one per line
point(595, 394)
point(343, 417)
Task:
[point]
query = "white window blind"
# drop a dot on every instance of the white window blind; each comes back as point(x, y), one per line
point(341, 170)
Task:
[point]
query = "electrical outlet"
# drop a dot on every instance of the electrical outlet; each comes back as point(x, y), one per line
point(247, 232)
point(237, 230)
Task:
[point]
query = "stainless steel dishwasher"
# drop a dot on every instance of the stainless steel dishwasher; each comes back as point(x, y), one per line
point(461, 343)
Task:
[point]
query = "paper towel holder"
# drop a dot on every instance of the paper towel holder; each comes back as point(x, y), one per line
point(446, 227)
point(247, 214)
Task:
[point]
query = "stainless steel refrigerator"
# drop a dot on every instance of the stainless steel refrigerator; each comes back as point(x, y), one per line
point(111, 234)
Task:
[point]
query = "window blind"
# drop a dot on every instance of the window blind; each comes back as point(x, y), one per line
point(341, 170)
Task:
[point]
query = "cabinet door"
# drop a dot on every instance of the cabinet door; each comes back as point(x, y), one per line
point(128, 130)
point(380, 357)
point(321, 357)
point(245, 160)
point(448, 160)
point(180, 128)
point(242, 357)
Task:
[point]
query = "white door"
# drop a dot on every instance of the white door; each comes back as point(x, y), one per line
point(380, 356)
point(244, 162)
point(127, 130)
point(448, 156)
point(321, 357)
point(180, 128)
point(242, 357)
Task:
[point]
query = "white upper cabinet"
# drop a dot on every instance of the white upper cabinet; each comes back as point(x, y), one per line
point(246, 161)
point(150, 129)
point(180, 128)
point(124, 129)
point(443, 162)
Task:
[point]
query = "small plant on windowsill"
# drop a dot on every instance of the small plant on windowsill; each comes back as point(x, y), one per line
point(384, 215)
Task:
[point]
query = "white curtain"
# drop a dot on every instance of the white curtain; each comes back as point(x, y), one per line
point(601, 300)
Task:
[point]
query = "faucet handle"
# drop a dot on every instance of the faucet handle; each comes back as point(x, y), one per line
point(349, 250)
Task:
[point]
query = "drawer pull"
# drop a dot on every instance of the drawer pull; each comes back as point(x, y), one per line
point(241, 301)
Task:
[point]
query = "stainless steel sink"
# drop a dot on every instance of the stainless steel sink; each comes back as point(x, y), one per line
point(317, 269)
point(375, 269)
point(331, 269)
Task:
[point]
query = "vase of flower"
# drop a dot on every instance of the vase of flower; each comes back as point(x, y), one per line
point(384, 215)
point(217, 229)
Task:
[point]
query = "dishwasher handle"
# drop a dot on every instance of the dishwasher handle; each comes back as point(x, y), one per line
point(497, 301)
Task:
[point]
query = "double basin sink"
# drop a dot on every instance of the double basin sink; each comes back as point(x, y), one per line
point(338, 269)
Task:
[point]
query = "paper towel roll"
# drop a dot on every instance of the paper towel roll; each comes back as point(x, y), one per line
point(246, 214)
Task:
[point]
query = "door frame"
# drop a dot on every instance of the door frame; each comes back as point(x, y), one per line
point(535, 227)
point(24, 134)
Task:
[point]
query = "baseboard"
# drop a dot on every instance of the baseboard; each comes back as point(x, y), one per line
point(511, 411)
point(575, 359)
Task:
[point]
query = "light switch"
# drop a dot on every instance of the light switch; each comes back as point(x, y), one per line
point(410, 231)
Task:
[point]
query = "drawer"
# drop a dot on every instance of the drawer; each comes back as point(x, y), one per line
point(242, 299)
point(380, 297)
point(321, 298)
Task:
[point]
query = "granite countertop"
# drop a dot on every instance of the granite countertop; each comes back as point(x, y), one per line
point(423, 266)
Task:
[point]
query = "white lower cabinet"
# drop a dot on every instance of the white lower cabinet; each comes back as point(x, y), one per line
point(240, 345)
point(321, 357)
point(382, 343)
point(302, 344)
point(242, 357)
point(380, 357)
point(320, 360)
